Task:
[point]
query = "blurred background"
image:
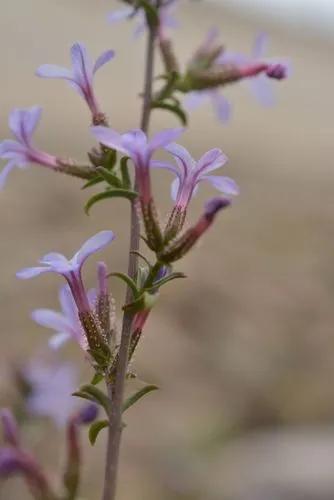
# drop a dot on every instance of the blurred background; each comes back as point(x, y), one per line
point(243, 349)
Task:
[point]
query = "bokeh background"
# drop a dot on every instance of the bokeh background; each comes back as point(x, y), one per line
point(243, 350)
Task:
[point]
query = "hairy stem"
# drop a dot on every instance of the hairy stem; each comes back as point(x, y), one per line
point(116, 389)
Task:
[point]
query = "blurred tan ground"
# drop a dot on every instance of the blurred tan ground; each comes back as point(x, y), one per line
point(243, 350)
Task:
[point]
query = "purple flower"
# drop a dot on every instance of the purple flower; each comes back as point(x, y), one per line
point(21, 152)
point(87, 414)
point(71, 269)
point(81, 75)
point(258, 81)
point(189, 173)
point(136, 145)
point(52, 386)
point(166, 18)
point(65, 323)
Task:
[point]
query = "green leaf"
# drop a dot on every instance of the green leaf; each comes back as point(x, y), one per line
point(110, 177)
point(110, 193)
point(173, 109)
point(135, 252)
point(129, 281)
point(167, 279)
point(83, 395)
point(95, 429)
point(138, 395)
point(94, 394)
point(93, 182)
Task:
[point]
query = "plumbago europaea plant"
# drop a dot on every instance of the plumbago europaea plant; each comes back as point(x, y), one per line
point(88, 316)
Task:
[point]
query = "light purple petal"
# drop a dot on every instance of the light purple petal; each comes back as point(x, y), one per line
point(58, 340)
point(194, 99)
point(140, 28)
point(166, 166)
point(120, 14)
point(109, 138)
point(54, 259)
point(165, 137)
point(210, 161)
point(5, 172)
point(135, 141)
point(262, 89)
point(224, 184)
point(260, 46)
point(54, 71)
point(94, 244)
point(23, 122)
point(68, 305)
point(183, 158)
point(175, 188)
point(31, 272)
point(221, 106)
point(82, 65)
point(103, 59)
point(52, 319)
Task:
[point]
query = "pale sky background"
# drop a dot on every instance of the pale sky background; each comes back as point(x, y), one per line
point(317, 14)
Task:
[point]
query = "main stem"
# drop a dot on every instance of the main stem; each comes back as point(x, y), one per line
point(116, 390)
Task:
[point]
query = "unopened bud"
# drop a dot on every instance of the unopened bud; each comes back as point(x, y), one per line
point(175, 223)
point(10, 428)
point(152, 226)
point(87, 414)
point(277, 71)
point(98, 347)
point(177, 249)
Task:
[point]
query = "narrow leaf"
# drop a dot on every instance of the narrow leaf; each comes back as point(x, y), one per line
point(83, 395)
point(129, 281)
point(97, 378)
point(111, 193)
point(99, 396)
point(93, 182)
point(125, 172)
point(138, 395)
point(173, 109)
point(109, 159)
point(109, 177)
point(95, 429)
point(170, 277)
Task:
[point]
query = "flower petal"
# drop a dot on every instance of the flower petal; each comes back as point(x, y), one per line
point(165, 165)
point(103, 59)
point(94, 244)
point(194, 99)
point(31, 272)
point(262, 89)
point(175, 188)
point(211, 160)
point(81, 65)
point(109, 138)
point(120, 14)
point(183, 158)
point(52, 319)
point(23, 122)
point(221, 106)
point(58, 340)
point(5, 172)
point(165, 137)
point(68, 305)
point(224, 184)
point(260, 45)
point(54, 71)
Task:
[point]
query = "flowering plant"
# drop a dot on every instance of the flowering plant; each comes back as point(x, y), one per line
point(122, 165)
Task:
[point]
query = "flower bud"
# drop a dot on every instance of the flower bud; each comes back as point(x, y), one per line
point(177, 249)
point(277, 71)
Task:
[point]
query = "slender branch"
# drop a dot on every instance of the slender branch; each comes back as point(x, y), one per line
point(116, 389)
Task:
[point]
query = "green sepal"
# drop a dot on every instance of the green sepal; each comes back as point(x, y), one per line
point(93, 182)
point(91, 392)
point(173, 108)
point(97, 378)
point(138, 254)
point(129, 281)
point(109, 177)
point(125, 172)
point(109, 159)
point(110, 193)
point(143, 303)
point(168, 89)
point(94, 430)
point(138, 395)
point(167, 279)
